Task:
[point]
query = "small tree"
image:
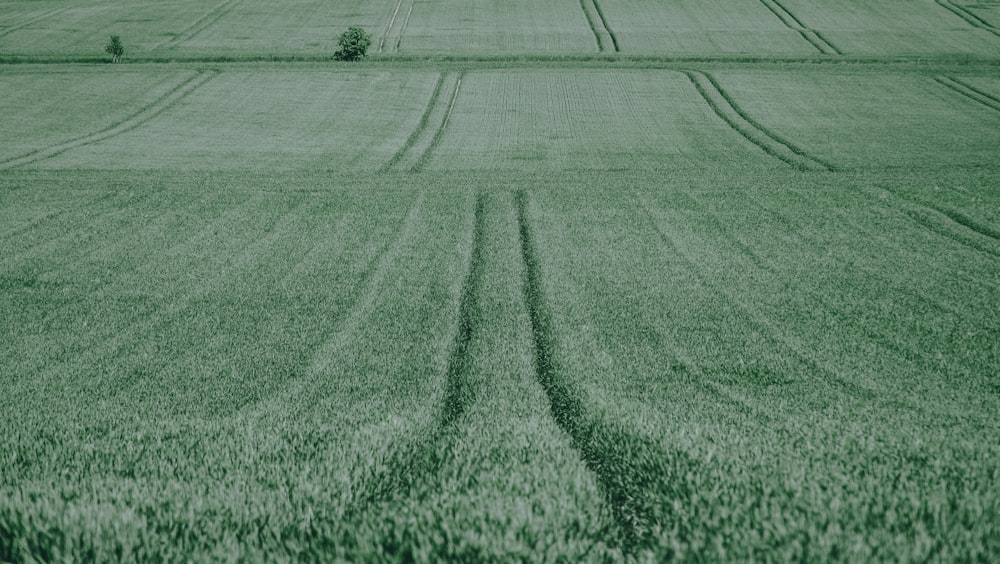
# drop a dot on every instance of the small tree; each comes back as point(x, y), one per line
point(353, 43)
point(115, 49)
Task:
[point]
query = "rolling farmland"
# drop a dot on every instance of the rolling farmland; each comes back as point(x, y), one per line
point(587, 281)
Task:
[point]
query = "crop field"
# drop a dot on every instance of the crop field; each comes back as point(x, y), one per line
point(599, 280)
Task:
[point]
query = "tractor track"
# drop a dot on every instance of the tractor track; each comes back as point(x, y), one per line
point(424, 156)
point(137, 119)
point(392, 35)
point(792, 22)
point(970, 92)
point(199, 25)
point(728, 111)
point(31, 20)
point(969, 17)
point(605, 38)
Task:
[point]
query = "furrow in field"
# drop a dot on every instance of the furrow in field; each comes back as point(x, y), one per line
point(200, 25)
point(406, 23)
point(425, 144)
point(409, 154)
point(969, 17)
point(137, 119)
point(31, 20)
point(969, 92)
point(792, 22)
point(727, 110)
point(634, 471)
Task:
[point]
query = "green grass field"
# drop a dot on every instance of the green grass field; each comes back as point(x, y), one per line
point(583, 281)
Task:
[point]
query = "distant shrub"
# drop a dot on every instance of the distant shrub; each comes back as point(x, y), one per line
point(353, 43)
point(115, 49)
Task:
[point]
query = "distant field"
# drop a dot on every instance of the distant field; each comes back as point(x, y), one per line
point(599, 280)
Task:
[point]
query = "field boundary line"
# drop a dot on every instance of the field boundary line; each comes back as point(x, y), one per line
point(794, 23)
point(970, 92)
point(388, 27)
point(439, 132)
point(135, 120)
point(969, 17)
point(727, 110)
point(199, 25)
point(421, 125)
point(31, 20)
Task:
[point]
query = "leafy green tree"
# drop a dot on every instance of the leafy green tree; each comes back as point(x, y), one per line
point(115, 49)
point(353, 43)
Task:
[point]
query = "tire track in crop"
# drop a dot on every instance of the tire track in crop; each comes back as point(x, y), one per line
point(792, 22)
point(798, 350)
point(137, 119)
point(415, 456)
point(606, 40)
point(969, 17)
point(976, 95)
point(409, 148)
point(425, 144)
point(31, 20)
point(199, 25)
point(392, 35)
point(767, 327)
point(636, 474)
point(728, 111)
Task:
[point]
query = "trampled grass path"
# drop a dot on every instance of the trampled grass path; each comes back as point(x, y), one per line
point(165, 102)
point(726, 108)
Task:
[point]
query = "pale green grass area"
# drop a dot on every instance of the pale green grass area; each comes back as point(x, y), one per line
point(517, 26)
point(270, 119)
point(855, 120)
point(548, 119)
point(920, 27)
point(176, 27)
point(700, 26)
point(42, 109)
point(807, 372)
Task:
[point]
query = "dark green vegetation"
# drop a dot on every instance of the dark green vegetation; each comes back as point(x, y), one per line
point(567, 295)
